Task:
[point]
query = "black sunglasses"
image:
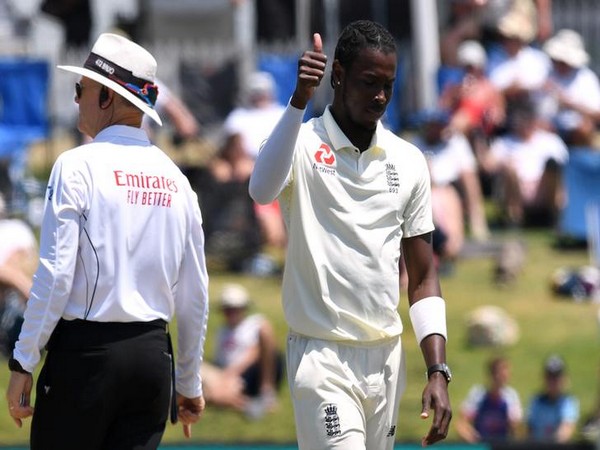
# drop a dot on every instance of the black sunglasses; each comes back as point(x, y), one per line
point(78, 89)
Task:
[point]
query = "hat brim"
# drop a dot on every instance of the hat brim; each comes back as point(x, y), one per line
point(574, 58)
point(115, 87)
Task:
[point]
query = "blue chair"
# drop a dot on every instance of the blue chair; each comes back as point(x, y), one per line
point(581, 177)
point(24, 117)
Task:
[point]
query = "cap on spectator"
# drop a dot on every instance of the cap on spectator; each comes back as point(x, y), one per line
point(518, 26)
point(125, 67)
point(471, 53)
point(567, 46)
point(434, 115)
point(261, 82)
point(554, 366)
point(234, 295)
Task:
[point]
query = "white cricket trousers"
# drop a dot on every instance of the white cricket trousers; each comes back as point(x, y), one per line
point(345, 396)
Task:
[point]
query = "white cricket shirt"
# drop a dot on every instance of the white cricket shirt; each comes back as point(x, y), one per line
point(346, 214)
point(121, 241)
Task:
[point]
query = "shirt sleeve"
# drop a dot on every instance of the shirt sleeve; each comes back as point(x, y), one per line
point(570, 409)
point(471, 403)
point(274, 162)
point(59, 241)
point(191, 310)
point(418, 218)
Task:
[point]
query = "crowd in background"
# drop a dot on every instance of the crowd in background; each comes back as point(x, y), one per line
point(517, 98)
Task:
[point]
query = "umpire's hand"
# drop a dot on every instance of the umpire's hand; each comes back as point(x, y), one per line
point(189, 411)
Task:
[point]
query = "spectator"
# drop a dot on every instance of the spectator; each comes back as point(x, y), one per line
point(492, 412)
point(477, 105)
point(456, 192)
point(246, 351)
point(572, 92)
point(537, 13)
point(233, 237)
point(515, 67)
point(257, 115)
point(553, 413)
point(480, 20)
point(526, 164)
point(18, 257)
point(254, 121)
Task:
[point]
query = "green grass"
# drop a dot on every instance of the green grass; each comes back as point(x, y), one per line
point(547, 324)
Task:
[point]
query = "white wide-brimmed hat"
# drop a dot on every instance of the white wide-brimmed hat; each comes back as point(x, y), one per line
point(234, 296)
point(518, 26)
point(567, 46)
point(126, 68)
point(471, 53)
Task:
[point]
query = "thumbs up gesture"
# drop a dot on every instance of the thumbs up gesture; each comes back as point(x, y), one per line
point(311, 68)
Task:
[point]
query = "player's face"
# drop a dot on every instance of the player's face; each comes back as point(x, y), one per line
point(366, 87)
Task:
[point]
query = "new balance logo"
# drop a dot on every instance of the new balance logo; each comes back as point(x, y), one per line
point(392, 431)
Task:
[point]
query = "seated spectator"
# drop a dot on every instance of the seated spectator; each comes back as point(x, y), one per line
point(526, 163)
point(571, 99)
point(258, 114)
point(477, 106)
point(233, 236)
point(254, 120)
point(515, 67)
point(18, 259)
point(492, 412)
point(248, 367)
point(553, 413)
point(456, 192)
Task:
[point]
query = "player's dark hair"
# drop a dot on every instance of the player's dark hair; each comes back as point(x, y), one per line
point(359, 35)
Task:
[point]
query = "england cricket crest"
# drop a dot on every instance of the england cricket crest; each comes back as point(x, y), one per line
point(332, 421)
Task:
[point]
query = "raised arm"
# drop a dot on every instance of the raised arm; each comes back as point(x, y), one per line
point(275, 158)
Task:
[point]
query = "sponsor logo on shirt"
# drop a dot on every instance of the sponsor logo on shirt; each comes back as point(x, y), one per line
point(325, 160)
point(145, 189)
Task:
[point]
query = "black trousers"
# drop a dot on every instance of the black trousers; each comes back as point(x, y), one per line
point(103, 386)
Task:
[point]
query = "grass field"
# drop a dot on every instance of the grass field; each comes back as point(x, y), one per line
point(547, 324)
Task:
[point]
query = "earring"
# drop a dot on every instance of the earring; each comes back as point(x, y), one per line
point(337, 82)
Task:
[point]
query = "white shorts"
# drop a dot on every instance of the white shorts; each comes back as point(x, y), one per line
point(345, 396)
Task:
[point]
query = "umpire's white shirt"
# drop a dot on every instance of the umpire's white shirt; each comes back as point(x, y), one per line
point(346, 213)
point(121, 241)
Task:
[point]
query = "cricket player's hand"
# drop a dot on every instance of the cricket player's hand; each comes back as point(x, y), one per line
point(311, 69)
point(18, 396)
point(435, 396)
point(189, 411)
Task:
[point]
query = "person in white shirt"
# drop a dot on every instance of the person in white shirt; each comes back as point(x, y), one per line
point(526, 162)
point(248, 364)
point(515, 67)
point(253, 121)
point(18, 260)
point(353, 195)
point(121, 253)
point(456, 190)
point(571, 104)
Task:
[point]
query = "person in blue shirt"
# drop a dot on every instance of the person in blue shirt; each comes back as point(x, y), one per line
point(492, 412)
point(553, 413)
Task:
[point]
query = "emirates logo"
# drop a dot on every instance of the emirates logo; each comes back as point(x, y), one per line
point(324, 155)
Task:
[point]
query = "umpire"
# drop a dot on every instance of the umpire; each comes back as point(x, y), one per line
point(121, 253)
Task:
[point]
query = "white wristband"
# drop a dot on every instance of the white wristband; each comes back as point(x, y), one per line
point(428, 316)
